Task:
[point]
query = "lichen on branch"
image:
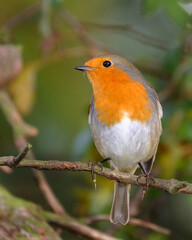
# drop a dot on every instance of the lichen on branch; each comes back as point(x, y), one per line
point(171, 186)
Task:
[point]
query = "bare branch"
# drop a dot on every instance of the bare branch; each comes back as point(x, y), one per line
point(134, 33)
point(21, 131)
point(149, 225)
point(14, 118)
point(22, 16)
point(74, 226)
point(171, 186)
point(132, 221)
point(14, 161)
point(6, 169)
point(15, 214)
point(94, 47)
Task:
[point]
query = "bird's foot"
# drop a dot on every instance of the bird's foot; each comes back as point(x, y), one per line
point(92, 165)
point(98, 164)
point(148, 178)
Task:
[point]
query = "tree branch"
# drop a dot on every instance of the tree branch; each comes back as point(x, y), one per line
point(21, 131)
point(133, 221)
point(94, 47)
point(142, 37)
point(14, 161)
point(20, 128)
point(29, 221)
point(71, 224)
point(171, 186)
point(22, 16)
point(149, 225)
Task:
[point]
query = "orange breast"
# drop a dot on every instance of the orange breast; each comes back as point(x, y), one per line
point(115, 100)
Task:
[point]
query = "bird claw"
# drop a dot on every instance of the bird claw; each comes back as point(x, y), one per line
point(99, 164)
point(92, 165)
point(146, 187)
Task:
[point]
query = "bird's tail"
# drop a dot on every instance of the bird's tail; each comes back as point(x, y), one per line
point(120, 207)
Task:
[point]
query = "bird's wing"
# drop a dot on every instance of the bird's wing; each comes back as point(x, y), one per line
point(155, 99)
point(159, 113)
point(147, 166)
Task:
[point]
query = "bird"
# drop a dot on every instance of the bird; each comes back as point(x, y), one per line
point(125, 120)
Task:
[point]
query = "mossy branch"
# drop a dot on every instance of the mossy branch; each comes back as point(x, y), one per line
point(171, 186)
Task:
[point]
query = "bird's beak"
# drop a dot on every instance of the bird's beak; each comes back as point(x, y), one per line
point(83, 68)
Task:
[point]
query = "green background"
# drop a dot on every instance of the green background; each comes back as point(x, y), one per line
point(52, 96)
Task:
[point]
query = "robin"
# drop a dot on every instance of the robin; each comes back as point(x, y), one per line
point(125, 118)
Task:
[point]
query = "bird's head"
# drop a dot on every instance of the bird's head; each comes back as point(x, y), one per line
point(108, 69)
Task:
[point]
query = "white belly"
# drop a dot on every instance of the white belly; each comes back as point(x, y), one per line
point(126, 143)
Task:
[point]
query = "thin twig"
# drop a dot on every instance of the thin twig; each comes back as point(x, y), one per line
point(96, 218)
point(14, 118)
point(22, 16)
point(6, 169)
point(21, 131)
point(74, 226)
point(149, 225)
point(14, 161)
point(94, 47)
point(134, 33)
point(132, 221)
point(172, 186)
point(48, 193)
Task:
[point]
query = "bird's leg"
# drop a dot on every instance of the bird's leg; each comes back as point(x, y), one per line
point(99, 164)
point(93, 164)
point(147, 176)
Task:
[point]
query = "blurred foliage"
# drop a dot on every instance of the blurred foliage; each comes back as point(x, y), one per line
point(156, 37)
point(172, 8)
point(22, 89)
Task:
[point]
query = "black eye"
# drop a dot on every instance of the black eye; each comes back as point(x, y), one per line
point(107, 64)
